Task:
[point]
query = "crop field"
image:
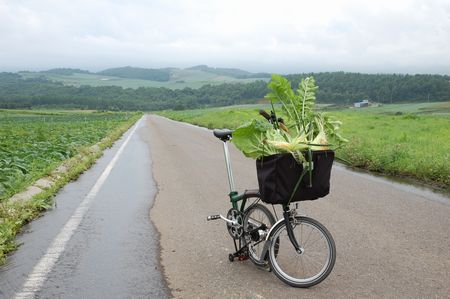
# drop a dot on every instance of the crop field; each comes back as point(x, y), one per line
point(403, 139)
point(179, 79)
point(32, 144)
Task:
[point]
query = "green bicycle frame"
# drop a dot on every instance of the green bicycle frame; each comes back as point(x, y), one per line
point(235, 198)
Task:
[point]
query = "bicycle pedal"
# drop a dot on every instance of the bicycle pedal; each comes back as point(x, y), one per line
point(212, 217)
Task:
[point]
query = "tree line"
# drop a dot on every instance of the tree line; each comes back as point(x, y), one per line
point(338, 87)
point(346, 88)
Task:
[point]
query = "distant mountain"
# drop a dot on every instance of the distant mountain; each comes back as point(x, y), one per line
point(231, 72)
point(160, 75)
point(66, 71)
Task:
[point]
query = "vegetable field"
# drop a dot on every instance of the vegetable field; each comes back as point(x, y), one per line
point(32, 144)
point(403, 139)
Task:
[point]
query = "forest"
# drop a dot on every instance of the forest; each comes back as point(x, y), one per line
point(335, 87)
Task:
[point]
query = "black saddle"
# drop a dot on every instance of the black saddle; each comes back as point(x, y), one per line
point(223, 134)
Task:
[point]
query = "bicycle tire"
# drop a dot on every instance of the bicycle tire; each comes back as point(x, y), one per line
point(315, 240)
point(254, 216)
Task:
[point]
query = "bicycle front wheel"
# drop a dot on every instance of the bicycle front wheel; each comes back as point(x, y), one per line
point(315, 260)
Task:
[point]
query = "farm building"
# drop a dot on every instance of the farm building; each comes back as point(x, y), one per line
point(364, 103)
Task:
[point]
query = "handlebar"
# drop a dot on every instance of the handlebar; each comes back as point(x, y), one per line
point(265, 115)
point(272, 119)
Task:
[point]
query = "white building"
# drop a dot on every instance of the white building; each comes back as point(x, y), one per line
point(364, 103)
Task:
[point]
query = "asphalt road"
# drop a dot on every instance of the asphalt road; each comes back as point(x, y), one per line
point(392, 241)
point(113, 252)
point(103, 239)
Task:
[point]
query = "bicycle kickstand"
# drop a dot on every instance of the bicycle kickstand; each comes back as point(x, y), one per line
point(241, 254)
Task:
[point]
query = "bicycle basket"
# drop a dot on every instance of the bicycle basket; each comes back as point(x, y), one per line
point(278, 174)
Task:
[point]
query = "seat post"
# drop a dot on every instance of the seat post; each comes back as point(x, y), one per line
point(228, 163)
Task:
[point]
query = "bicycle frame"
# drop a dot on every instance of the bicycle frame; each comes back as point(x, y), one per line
point(229, 169)
point(235, 197)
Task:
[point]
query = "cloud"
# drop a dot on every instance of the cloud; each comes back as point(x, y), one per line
point(283, 36)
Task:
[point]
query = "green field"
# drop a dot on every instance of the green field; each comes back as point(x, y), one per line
point(436, 108)
point(180, 78)
point(33, 143)
point(410, 140)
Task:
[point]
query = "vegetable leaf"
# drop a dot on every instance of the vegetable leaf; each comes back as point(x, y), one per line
point(249, 138)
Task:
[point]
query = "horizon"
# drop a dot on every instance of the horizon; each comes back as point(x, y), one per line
point(94, 71)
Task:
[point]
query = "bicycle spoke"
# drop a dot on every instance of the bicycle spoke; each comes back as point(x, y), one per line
point(302, 267)
point(312, 261)
point(309, 235)
point(311, 243)
point(301, 233)
point(253, 220)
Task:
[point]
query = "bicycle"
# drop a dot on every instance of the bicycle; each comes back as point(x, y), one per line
point(298, 249)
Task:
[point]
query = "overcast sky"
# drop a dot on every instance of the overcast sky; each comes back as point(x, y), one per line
point(382, 36)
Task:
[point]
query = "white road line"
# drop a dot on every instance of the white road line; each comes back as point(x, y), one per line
point(38, 276)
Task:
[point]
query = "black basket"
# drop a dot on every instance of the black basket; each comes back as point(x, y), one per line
point(279, 174)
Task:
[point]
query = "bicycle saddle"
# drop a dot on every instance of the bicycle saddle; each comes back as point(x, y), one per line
point(223, 134)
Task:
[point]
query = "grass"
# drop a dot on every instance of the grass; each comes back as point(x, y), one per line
point(13, 215)
point(441, 108)
point(179, 79)
point(409, 140)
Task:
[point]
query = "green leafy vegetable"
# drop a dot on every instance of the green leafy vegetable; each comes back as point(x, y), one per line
point(249, 138)
point(308, 129)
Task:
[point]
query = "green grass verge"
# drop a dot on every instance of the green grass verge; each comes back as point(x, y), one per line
point(399, 140)
point(13, 215)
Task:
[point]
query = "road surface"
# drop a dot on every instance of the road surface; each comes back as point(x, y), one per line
point(104, 240)
point(113, 252)
point(391, 242)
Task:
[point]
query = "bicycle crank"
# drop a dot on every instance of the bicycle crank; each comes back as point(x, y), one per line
point(234, 226)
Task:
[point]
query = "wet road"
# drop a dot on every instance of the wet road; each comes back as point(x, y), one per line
point(111, 248)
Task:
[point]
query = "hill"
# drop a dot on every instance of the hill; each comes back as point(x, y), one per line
point(159, 75)
point(132, 77)
point(231, 72)
point(65, 71)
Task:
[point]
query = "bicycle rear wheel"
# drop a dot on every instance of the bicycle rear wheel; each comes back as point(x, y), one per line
point(257, 222)
point(317, 257)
